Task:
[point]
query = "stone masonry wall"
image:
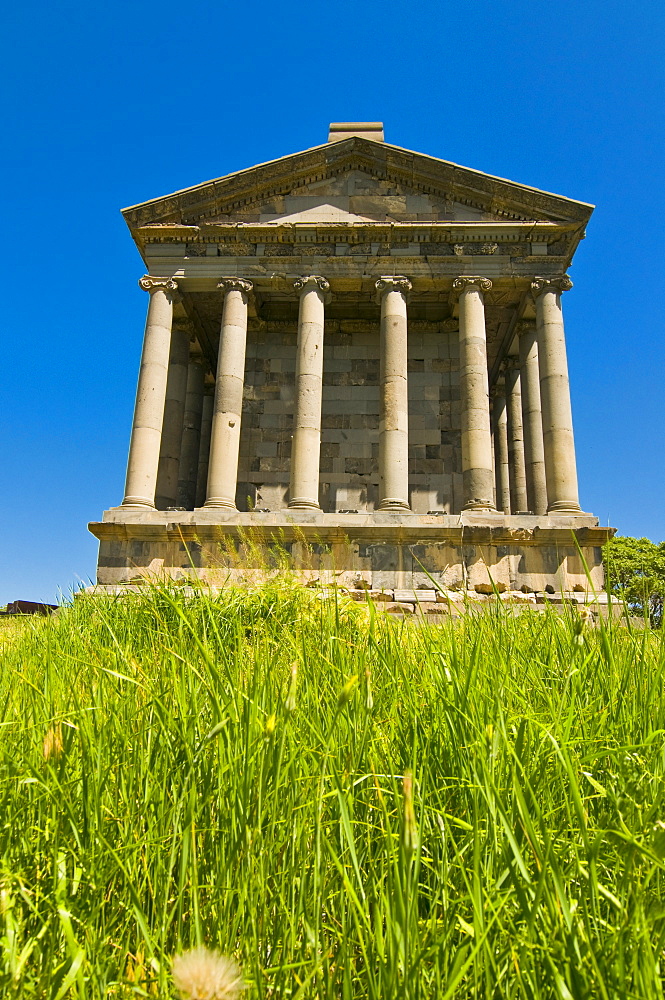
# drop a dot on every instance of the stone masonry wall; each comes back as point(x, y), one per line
point(350, 419)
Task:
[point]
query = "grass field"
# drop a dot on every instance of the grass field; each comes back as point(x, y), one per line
point(349, 806)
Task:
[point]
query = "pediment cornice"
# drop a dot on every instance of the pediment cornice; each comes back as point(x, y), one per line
point(413, 171)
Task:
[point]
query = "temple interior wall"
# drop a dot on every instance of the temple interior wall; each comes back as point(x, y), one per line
point(350, 419)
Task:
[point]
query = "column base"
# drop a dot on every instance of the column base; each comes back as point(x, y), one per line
point(302, 503)
point(564, 507)
point(392, 505)
point(142, 502)
point(220, 502)
point(479, 504)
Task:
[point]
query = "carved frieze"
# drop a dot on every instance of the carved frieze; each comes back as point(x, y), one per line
point(558, 248)
point(278, 250)
point(236, 249)
point(436, 249)
point(474, 249)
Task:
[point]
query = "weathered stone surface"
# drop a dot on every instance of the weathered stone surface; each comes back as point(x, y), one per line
point(488, 588)
point(415, 595)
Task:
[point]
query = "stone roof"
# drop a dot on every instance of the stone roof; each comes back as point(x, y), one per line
point(247, 196)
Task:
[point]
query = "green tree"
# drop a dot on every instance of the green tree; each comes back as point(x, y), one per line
point(635, 573)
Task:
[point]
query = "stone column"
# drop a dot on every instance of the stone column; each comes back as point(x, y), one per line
point(227, 407)
point(477, 476)
point(204, 446)
point(394, 415)
point(560, 466)
point(145, 444)
point(191, 434)
point(174, 412)
point(501, 468)
point(306, 448)
point(532, 418)
point(518, 495)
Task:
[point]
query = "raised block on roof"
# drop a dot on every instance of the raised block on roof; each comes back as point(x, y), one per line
point(365, 130)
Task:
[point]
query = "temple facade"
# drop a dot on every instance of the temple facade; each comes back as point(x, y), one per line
point(354, 364)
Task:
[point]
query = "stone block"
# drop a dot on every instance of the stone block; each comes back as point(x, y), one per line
point(490, 588)
point(447, 596)
point(517, 597)
point(415, 596)
point(382, 596)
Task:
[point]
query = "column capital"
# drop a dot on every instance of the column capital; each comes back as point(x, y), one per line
point(466, 281)
point(305, 284)
point(234, 285)
point(392, 283)
point(540, 285)
point(498, 389)
point(151, 284)
point(511, 363)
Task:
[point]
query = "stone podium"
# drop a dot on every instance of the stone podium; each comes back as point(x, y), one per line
point(354, 364)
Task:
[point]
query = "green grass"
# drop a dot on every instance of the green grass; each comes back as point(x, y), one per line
point(231, 772)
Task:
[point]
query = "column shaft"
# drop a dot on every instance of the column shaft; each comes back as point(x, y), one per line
point(532, 420)
point(204, 446)
point(306, 447)
point(560, 465)
point(145, 444)
point(518, 495)
point(191, 435)
point(477, 475)
point(174, 412)
point(501, 468)
point(227, 407)
point(394, 414)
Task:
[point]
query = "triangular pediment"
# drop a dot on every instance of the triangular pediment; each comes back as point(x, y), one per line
point(356, 180)
point(313, 210)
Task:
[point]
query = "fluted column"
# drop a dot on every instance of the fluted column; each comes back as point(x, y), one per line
point(204, 445)
point(477, 475)
point(306, 447)
point(532, 418)
point(191, 434)
point(174, 411)
point(501, 472)
point(560, 465)
point(227, 407)
point(145, 444)
point(394, 414)
point(518, 495)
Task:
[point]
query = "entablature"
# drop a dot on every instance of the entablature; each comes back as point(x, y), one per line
point(360, 232)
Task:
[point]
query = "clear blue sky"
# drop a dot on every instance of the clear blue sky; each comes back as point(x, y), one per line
point(108, 105)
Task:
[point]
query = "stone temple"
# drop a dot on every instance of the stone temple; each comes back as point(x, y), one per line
point(354, 360)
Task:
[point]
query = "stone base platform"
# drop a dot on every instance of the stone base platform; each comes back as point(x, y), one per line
point(375, 550)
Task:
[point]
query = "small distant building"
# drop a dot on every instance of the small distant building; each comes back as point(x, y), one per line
point(29, 608)
point(356, 353)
